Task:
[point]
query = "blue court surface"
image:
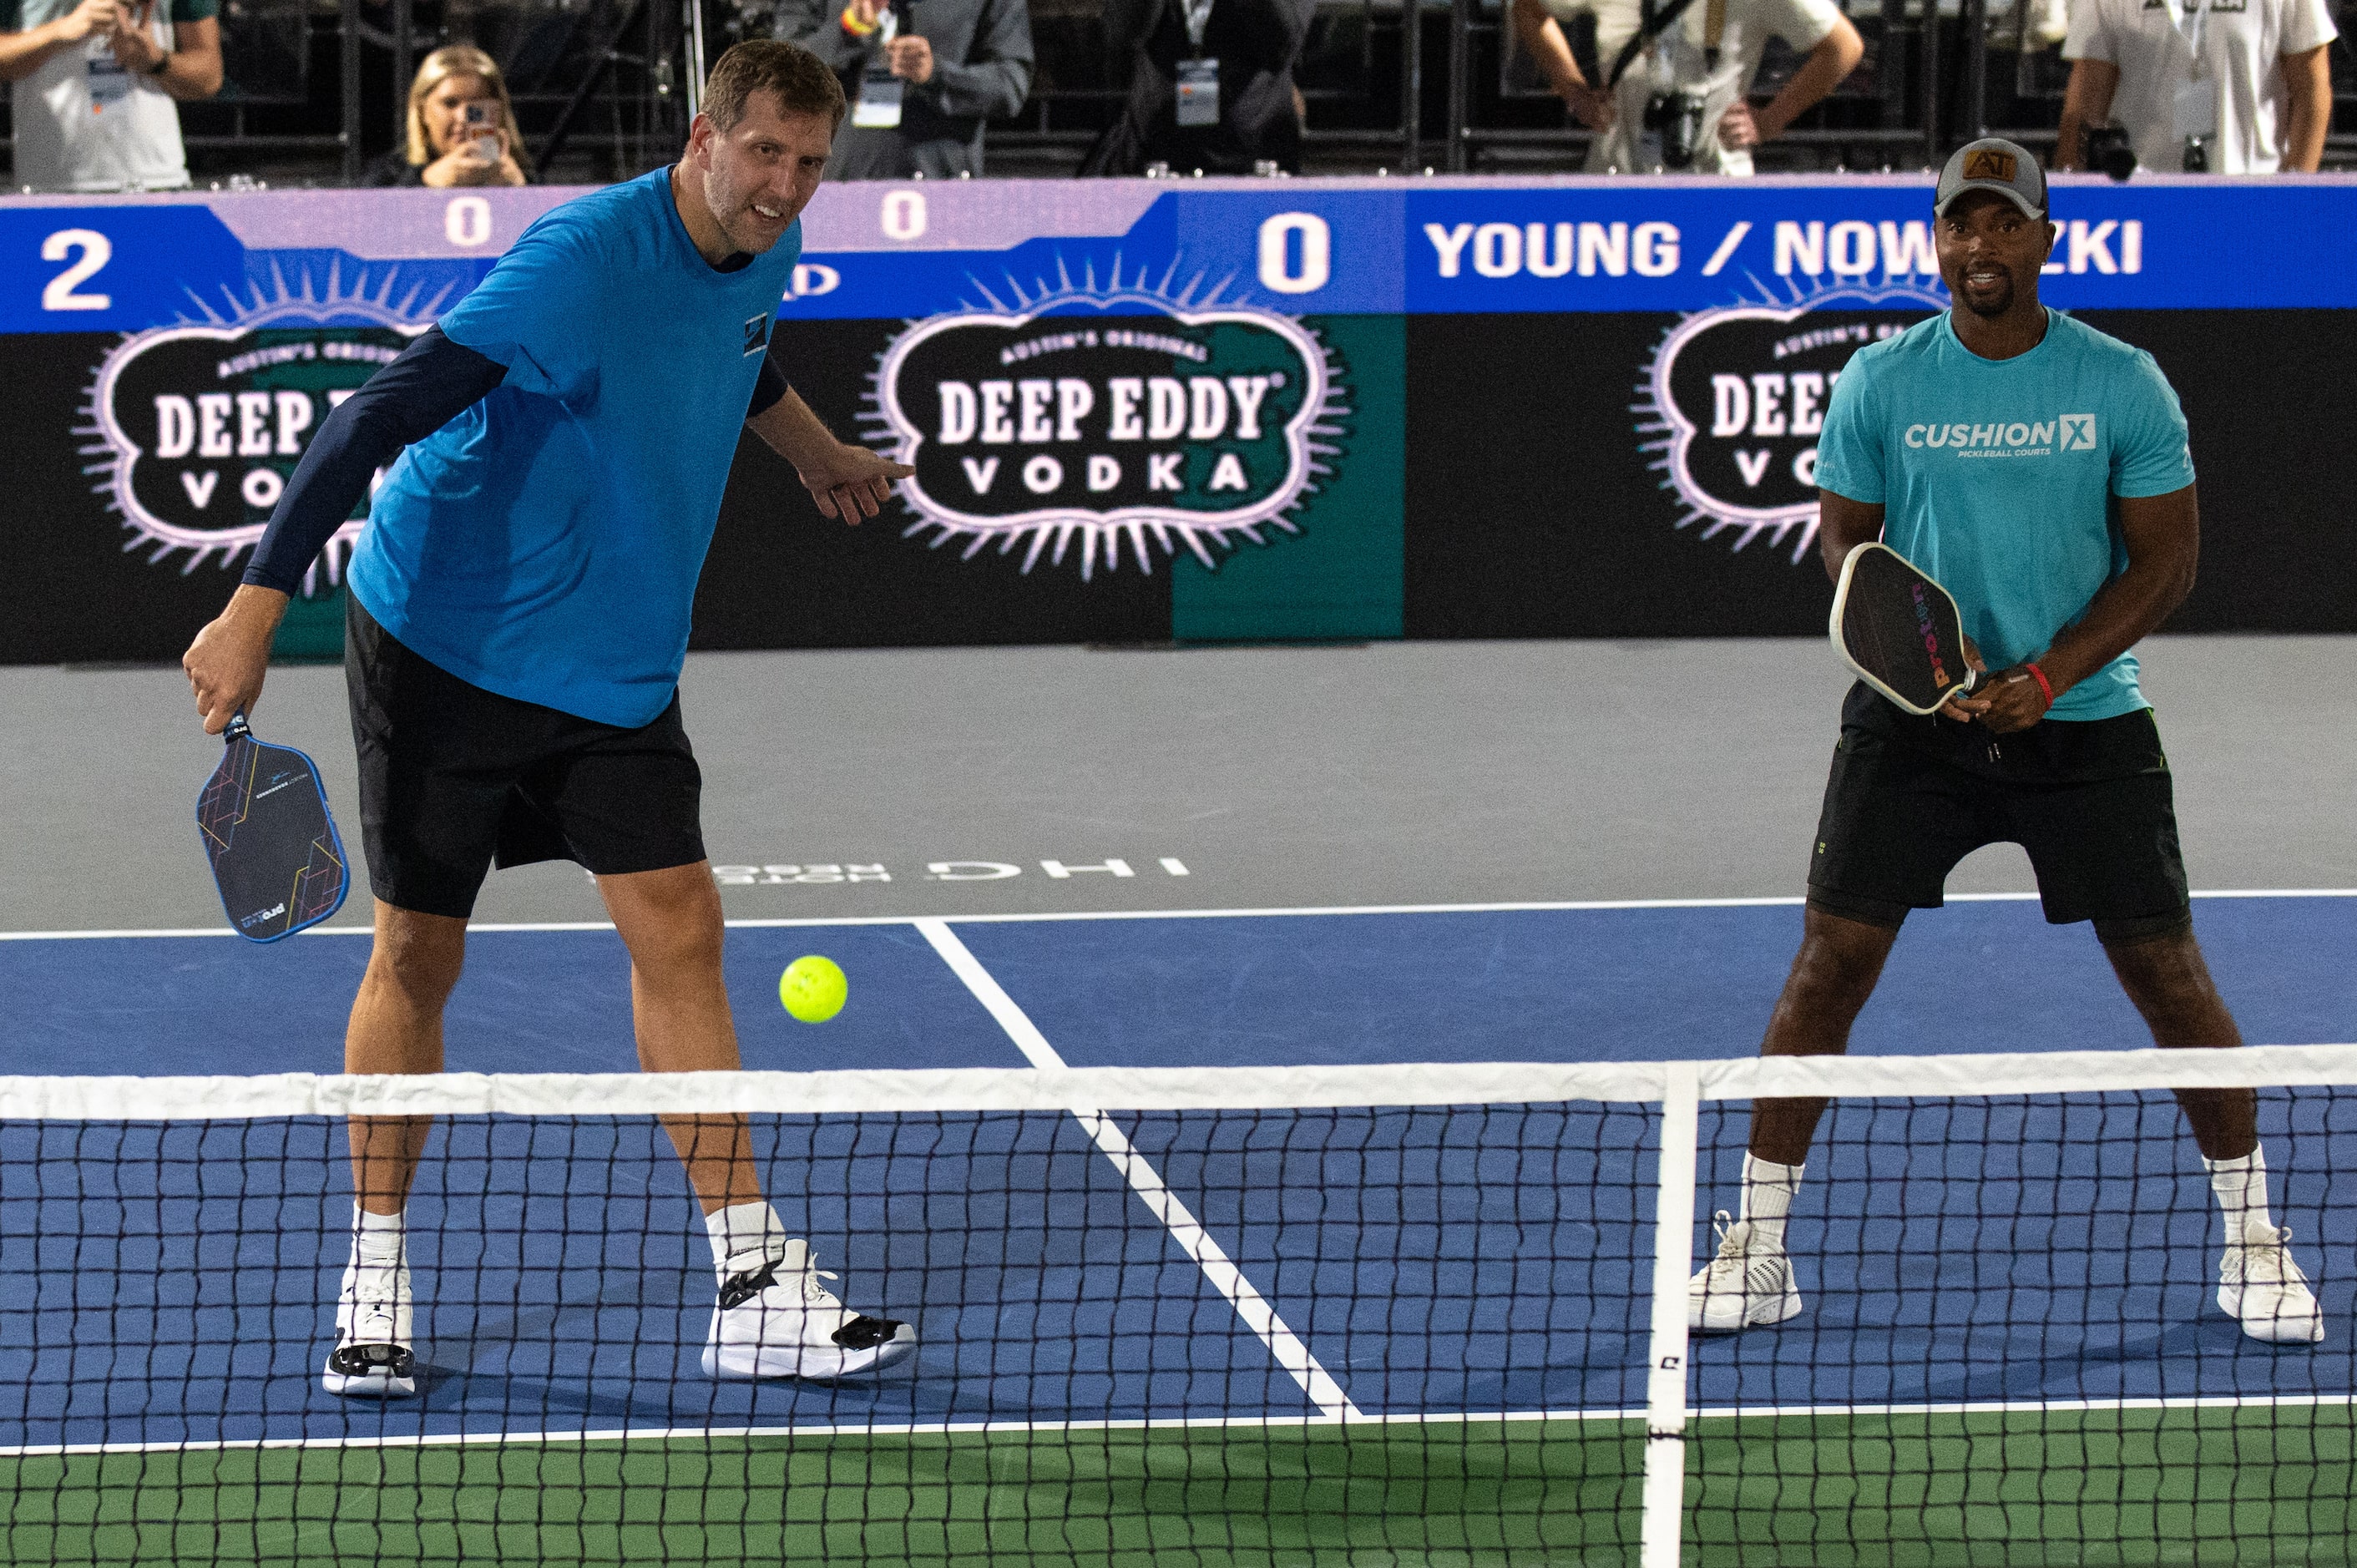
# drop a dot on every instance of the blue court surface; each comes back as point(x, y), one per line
point(175, 1284)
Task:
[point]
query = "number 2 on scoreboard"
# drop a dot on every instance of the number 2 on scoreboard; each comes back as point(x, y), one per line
point(96, 249)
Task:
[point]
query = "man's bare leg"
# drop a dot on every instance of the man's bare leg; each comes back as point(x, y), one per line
point(1749, 1280)
point(2258, 1283)
point(774, 1319)
point(397, 1028)
point(1833, 975)
point(2170, 985)
point(670, 920)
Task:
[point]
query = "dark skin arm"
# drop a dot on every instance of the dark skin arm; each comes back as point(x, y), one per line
point(2163, 534)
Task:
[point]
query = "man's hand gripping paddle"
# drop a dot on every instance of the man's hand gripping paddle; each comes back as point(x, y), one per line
point(1900, 630)
point(276, 855)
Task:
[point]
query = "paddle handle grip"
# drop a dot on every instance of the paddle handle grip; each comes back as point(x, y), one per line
point(236, 730)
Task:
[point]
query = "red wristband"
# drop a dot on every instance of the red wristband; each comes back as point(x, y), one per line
point(2043, 683)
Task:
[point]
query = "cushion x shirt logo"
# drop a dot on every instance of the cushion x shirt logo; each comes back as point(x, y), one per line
point(2003, 438)
point(1093, 415)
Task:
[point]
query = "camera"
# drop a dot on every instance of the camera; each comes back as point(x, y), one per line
point(1678, 117)
point(2108, 149)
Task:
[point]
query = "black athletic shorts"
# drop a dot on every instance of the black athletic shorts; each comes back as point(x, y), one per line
point(455, 779)
point(1911, 797)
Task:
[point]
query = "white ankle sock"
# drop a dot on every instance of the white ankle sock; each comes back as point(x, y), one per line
point(1767, 1190)
point(379, 1239)
point(2242, 1188)
point(745, 1236)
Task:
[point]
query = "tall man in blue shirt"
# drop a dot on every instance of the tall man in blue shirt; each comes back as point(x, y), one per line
point(520, 607)
point(2060, 755)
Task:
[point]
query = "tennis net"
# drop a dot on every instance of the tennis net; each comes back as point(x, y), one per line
point(1427, 1315)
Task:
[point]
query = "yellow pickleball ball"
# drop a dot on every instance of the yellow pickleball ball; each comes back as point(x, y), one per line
point(813, 988)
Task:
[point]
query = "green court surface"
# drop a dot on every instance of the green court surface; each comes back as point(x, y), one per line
point(2226, 1485)
point(1472, 1495)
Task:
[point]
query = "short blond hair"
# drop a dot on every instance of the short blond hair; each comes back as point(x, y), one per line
point(457, 59)
point(804, 83)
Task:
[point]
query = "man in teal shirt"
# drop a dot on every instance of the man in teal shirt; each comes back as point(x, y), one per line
point(2040, 470)
point(97, 85)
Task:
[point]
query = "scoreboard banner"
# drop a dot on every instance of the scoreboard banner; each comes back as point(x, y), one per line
point(1143, 410)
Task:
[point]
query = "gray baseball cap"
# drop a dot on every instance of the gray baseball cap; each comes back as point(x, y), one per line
point(1994, 164)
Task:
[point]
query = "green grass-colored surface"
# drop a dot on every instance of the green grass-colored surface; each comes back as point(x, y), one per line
point(2244, 1487)
point(1453, 1496)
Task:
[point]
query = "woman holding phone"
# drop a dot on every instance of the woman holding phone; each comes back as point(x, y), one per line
point(462, 129)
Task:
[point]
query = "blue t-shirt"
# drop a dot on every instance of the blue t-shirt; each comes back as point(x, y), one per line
point(1996, 476)
point(545, 543)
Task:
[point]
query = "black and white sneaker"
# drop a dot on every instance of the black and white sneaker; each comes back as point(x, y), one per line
point(372, 1359)
point(779, 1321)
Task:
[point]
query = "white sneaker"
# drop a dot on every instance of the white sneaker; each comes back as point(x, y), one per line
point(372, 1359)
point(779, 1322)
point(1743, 1285)
point(2259, 1284)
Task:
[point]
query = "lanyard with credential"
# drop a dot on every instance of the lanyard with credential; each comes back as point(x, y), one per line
point(1198, 17)
point(2176, 11)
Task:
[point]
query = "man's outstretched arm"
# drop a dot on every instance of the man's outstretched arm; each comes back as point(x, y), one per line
point(432, 381)
point(846, 481)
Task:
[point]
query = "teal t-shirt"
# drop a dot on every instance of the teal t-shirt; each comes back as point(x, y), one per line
point(1996, 476)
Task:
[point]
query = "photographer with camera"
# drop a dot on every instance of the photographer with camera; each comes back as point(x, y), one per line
point(2197, 86)
point(1677, 73)
point(461, 126)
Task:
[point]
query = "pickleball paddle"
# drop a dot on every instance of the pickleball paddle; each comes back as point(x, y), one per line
point(1900, 630)
point(273, 844)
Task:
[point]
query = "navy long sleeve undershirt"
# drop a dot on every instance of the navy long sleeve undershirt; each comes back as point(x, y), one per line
point(432, 382)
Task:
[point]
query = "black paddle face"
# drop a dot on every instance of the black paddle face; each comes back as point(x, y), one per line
point(275, 855)
point(1901, 628)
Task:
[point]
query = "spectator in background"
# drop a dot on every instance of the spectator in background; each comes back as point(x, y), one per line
point(922, 76)
point(462, 128)
point(97, 82)
point(1677, 77)
point(2248, 78)
point(1211, 86)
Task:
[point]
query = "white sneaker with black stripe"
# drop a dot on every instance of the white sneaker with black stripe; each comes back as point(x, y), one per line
point(777, 1321)
point(372, 1357)
point(2262, 1289)
point(1749, 1283)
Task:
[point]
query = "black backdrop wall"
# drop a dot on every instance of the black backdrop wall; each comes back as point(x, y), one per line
point(1528, 506)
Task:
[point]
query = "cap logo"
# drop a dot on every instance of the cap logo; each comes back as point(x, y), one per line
point(1987, 163)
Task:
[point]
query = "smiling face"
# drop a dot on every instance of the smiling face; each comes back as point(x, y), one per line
point(446, 111)
point(758, 174)
point(1990, 252)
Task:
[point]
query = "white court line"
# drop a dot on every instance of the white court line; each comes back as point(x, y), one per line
point(1187, 1230)
point(850, 1429)
point(1241, 914)
point(1177, 1424)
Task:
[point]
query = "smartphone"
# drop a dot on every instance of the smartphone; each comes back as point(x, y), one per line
point(481, 120)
